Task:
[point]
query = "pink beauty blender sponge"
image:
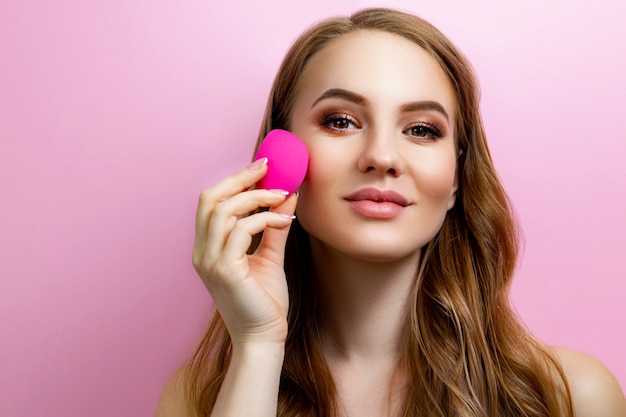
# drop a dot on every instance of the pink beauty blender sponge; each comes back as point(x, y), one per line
point(287, 161)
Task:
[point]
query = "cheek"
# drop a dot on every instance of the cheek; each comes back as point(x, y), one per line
point(437, 179)
point(318, 178)
point(321, 187)
point(325, 167)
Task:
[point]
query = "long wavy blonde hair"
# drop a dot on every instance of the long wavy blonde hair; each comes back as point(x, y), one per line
point(465, 352)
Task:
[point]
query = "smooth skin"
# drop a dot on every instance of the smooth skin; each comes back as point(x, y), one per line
point(250, 291)
point(234, 278)
point(368, 120)
point(373, 137)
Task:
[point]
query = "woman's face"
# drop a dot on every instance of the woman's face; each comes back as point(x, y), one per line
point(377, 114)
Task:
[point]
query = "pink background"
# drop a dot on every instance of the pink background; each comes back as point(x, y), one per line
point(114, 115)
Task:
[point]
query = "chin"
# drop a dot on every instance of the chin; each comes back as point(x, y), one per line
point(390, 255)
point(368, 250)
point(387, 258)
point(377, 242)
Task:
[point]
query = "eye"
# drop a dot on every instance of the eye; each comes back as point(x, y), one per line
point(339, 122)
point(424, 131)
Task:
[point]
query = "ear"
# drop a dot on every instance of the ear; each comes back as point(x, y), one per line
point(455, 185)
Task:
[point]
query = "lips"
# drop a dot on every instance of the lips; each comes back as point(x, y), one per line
point(378, 196)
point(371, 202)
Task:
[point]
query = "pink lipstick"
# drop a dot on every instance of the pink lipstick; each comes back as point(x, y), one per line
point(374, 203)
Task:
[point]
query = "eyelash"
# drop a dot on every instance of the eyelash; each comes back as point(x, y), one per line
point(328, 120)
point(432, 131)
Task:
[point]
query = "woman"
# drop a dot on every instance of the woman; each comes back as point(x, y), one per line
point(388, 295)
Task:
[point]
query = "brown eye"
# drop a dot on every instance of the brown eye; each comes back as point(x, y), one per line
point(340, 123)
point(423, 132)
point(419, 131)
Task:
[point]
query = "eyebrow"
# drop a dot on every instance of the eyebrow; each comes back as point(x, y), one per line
point(343, 94)
point(425, 105)
point(359, 99)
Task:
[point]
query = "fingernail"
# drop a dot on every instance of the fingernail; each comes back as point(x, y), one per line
point(281, 192)
point(259, 163)
point(287, 216)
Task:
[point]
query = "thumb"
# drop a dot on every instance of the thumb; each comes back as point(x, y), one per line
point(272, 245)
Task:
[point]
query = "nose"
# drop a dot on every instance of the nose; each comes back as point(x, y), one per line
point(381, 154)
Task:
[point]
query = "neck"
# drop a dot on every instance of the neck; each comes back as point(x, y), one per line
point(363, 305)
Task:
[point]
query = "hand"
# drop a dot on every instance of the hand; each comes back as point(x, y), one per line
point(249, 291)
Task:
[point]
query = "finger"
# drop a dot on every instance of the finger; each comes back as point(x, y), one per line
point(225, 189)
point(272, 245)
point(226, 213)
point(241, 236)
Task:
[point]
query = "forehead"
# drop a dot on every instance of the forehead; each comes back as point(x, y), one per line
point(378, 65)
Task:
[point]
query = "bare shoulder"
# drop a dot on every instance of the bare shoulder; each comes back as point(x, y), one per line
point(595, 391)
point(173, 401)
